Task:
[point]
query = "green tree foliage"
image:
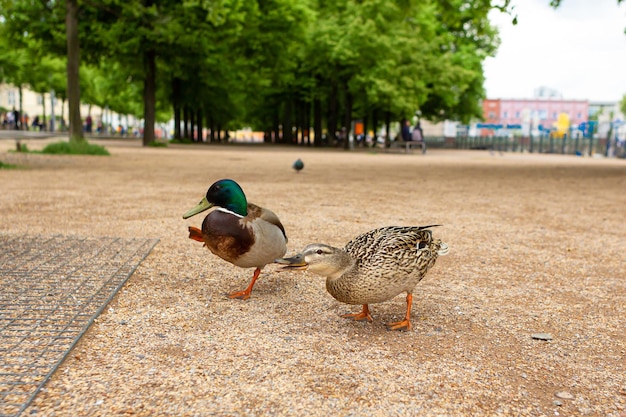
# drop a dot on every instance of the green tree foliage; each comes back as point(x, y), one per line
point(465, 38)
point(277, 65)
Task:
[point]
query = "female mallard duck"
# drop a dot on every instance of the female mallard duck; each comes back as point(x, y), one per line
point(239, 232)
point(373, 267)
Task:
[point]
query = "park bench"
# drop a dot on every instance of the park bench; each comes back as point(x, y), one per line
point(408, 145)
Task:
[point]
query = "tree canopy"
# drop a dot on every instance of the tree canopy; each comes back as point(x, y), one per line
point(278, 66)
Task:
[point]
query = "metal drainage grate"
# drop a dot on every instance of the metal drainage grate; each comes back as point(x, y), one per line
point(51, 290)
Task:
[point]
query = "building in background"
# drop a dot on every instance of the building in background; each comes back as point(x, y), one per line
point(504, 117)
point(524, 116)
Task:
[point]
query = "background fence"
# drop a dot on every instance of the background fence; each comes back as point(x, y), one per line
point(536, 144)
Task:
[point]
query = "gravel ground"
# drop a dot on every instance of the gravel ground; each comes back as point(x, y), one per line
point(536, 246)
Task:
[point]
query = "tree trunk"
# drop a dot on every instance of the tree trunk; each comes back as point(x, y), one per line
point(186, 122)
point(176, 105)
point(149, 96)
point(298, 121)
point(317, 121)
point(192, 125)
point(73, 64)
point(199, 124)
point(19, 123)
point(276, 127)
point(365, 122)
point(375, 128)
point(177, 123)
point(44, 122)
point(63, 126)
point(288, 121)
point(387, 128)
point(306, 123)
point(331, 136)
point(212, 129)
point(348, 120)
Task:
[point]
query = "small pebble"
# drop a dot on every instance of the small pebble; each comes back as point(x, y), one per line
point(557, 403)
point(542, 336)
point(564, 395)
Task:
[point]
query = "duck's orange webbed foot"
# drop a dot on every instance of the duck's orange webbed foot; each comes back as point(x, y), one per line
point(363, 315)
point(406, 323)
point(399, 325)
point(245, 294)
point(242, 295)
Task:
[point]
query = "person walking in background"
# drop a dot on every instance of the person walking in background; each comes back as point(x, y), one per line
point(405, 133)
point(88, 123)
point(16, 119)
point(36, 124)
point(418, 136)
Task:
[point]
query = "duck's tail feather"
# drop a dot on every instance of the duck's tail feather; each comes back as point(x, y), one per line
point(429, 226)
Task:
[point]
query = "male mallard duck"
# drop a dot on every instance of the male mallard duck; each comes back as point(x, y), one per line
point(373, 267)
point(239, 232)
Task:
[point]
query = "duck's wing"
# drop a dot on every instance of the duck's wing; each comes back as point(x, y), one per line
point(258, 212)
point(399, 248)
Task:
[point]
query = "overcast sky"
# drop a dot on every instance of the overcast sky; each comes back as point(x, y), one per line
point(578, 50)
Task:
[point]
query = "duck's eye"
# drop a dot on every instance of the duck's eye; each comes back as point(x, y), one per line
point(319, 251)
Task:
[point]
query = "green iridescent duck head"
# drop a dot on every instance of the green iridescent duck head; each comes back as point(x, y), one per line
point(224, 193)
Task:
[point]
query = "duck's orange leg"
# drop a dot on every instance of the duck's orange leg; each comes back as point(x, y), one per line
point(406, 323)
point(363, 315)
point(245, 294)
point(195, 234)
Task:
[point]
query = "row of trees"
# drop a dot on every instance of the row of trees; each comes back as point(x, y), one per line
point(277, 65)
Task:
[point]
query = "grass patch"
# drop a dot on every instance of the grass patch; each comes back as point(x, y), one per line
point(158, 144)
point(183, 141)
point(75, 148)
point(21, 147)
point(7, 166)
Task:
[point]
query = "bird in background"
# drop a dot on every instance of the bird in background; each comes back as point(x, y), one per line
point(242, 233)
point(373, 267)
point(298, 165)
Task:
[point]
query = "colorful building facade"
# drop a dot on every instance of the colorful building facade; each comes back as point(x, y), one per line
point(535, 114)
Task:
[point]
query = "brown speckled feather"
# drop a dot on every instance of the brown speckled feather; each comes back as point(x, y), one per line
point(387, 262)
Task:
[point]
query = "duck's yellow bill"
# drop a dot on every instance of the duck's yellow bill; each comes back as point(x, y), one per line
point(295, 262)
point(202, 205)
